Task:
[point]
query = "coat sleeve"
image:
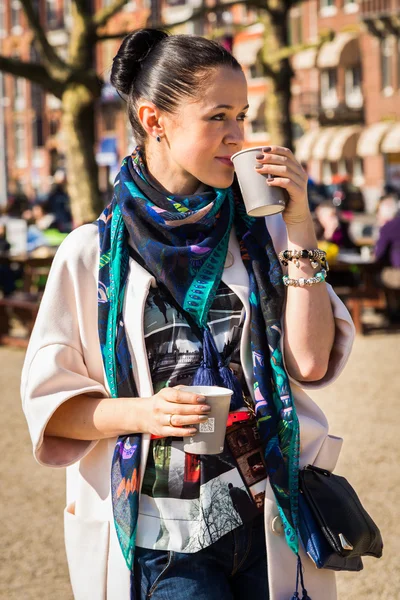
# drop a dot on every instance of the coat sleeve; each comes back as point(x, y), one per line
point(63, 358)
point(344, 327)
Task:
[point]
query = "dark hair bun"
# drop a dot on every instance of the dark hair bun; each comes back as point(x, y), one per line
point(132, 53)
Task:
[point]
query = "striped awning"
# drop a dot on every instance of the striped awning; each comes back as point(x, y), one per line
point(391, 142)
point(305, 144)
point(371, 138)
point(344, 48)
point(344, 143)
point(320, 149)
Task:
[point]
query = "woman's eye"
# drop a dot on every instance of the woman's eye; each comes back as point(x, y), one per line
point(221, 117)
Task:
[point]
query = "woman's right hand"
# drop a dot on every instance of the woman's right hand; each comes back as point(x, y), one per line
point(171, 411)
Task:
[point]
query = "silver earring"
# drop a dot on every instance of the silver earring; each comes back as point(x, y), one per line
point(158, 138)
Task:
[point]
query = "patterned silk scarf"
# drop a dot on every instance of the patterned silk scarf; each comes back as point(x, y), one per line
point(183, 242)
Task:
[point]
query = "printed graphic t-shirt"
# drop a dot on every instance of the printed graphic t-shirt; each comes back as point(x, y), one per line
point(189, 501)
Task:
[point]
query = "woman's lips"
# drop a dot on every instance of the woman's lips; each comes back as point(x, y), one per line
point(225, 161)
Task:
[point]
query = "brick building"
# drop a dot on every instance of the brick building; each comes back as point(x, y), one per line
point(346, 94)
point(346, 109)
point(31, 118)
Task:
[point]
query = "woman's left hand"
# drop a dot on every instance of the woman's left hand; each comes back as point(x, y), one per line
point(288, 173)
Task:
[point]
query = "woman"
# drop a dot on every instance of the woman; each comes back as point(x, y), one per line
point(185, 280)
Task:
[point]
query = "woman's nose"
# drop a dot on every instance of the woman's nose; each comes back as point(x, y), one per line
point(235, 134)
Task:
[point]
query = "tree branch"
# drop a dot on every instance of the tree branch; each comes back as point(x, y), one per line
point(33, 72)
point(196, 14)
point(104, 14)
point(289, 51)
point(46, 50)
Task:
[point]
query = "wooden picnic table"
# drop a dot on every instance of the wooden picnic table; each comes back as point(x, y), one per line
point(24, 304)
point(367, 293)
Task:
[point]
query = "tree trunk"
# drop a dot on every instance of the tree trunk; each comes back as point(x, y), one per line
point(277, 109)
point(78, 104)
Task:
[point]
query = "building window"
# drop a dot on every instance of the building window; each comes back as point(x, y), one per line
point(3, 28)
point(19, 94)
point(398, 64)
point(295, 26)
point(52, 20)
point(20, 146)
point(258, 125)
point(67, 13)
point(327, 8)
point(353, 91)
point(54, 126)
point(387, 63)
point(37, 124)
point(109, 118)
point(256, 71)
point(328, 88)
point(37, 132)
point(350, 6)
point(15, 16)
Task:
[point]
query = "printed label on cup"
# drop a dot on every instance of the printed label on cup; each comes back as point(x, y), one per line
point(208, 426)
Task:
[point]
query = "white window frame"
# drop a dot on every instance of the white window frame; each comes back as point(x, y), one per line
point(326, 9)
point(328, 94)
point(67, 14)
point(387, 49)
point(351, 6)
point(53, 11)
point(20, 145)
point(353, 93)
point(20, 96)
point(16, 6)
point(3, 22)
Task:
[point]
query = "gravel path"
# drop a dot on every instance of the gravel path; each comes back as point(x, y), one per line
point(363, 407)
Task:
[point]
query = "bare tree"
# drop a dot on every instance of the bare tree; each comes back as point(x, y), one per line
point(218, 515)
point(75, 81)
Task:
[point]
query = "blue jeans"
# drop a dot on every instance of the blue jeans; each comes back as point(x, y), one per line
point(231, 569)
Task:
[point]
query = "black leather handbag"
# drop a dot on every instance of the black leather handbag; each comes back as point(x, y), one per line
point(335, 529)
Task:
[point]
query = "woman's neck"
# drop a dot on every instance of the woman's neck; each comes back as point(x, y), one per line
point(169, 176)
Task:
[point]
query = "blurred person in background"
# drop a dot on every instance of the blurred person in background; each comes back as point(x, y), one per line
point(7, 275)
point(58, 202)
point(387, 209)
point(42, 217)
point(387, 253)
point(345, 195)
point(331, 228)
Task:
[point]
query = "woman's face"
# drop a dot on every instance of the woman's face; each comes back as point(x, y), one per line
point(208, 129)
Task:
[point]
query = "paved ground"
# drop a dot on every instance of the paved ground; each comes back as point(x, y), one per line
point(363, 407)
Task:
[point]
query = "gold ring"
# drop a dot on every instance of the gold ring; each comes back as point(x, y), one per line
point(169, 420)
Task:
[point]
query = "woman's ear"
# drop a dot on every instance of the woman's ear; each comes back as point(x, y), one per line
point(149, 117)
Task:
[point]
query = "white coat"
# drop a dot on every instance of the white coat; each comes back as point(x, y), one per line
point(63, 360)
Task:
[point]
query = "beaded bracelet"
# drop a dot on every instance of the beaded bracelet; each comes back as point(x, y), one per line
point(302, 281)
point(316, 256)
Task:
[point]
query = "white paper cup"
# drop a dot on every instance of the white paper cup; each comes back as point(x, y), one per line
point(259, 198)
point(210, 438)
